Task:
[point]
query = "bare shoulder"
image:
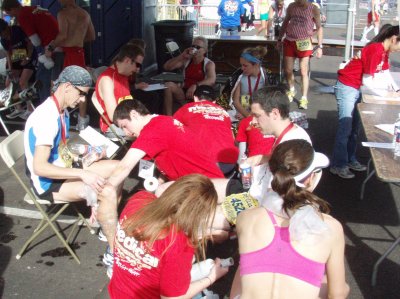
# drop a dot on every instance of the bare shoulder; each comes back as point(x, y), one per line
point(250, 217)
point(333, 224)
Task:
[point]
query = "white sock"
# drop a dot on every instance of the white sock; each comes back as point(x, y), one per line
point(376, 30)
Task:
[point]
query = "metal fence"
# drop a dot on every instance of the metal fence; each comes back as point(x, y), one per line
point(205, 16)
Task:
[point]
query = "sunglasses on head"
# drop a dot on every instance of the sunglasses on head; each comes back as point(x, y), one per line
point(81, 92)
point(196, 47)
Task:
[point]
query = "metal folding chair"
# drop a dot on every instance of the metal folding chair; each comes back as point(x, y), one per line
point(12, 150)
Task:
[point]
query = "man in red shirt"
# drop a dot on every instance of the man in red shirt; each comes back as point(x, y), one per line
point(211, 122)
point(41, 28)
point(112, 86)
point(175, 148)
point(197, 70)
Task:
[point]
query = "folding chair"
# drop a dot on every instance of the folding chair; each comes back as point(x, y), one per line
point(100, 109)
point(11, 150)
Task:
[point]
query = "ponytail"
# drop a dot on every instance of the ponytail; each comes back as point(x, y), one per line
point(385, 33)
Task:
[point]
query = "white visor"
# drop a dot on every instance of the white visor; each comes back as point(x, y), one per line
point(320, 161)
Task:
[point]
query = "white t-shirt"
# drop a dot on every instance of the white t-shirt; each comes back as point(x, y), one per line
point(43, 127)
point(262, 175)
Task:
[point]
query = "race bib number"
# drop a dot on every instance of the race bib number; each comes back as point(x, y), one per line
point(146, 169)
point(304, 44)
point(245, 101)
point(18, 54)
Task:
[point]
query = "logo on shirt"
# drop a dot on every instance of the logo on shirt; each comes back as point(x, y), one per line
point(231, 7)
point(210, 112)
point(132, 255)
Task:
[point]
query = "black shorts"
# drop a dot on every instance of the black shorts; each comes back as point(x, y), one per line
point(234, 186)
point(48, 194)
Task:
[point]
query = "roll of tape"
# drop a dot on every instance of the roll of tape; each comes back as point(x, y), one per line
point(151, 184)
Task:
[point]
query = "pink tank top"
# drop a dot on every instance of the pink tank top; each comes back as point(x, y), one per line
point(301, 24)
point(280, 257)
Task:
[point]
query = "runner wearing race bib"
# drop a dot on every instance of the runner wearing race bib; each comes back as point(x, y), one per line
point(297, 31)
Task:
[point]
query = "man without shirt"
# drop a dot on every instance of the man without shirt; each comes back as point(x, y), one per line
point(75, 28)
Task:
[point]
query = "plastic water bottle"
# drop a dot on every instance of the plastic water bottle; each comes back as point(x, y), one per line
point(246, 173)
point(396, 138)
point(79, 148)
point(396, 129)
point(202, 270)
point(95, 154)
point(271, 32)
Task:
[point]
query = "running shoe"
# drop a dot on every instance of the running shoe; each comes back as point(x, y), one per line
point(290, 94)
point(108, 261)
point(303, 103)
point(102, 236)
point(25, 114)
point(108, 257)
point(6, 95)
point(357, 166)
point(32, 92)
point(342, 172)
point(15, 113)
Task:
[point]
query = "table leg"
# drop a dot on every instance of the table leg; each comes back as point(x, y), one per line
point(380, 260)
point(369, 175)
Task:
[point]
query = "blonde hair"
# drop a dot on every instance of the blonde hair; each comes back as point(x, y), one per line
point(188, 205)
point(258, 52)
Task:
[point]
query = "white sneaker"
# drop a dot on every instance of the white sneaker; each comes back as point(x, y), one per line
point(25, 114)
point(15, 113)
point(6, 95)
point(364, 39)
point(250, 28)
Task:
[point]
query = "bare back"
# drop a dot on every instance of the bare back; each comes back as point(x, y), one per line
point(256, 231)
point(76, 23)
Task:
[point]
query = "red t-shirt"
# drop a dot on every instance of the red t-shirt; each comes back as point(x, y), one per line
point(137, 274)
point(121, 91)
point(373, 60)
point(257, 143)
point(34, 20)
point(176, 149)
point(211, 122)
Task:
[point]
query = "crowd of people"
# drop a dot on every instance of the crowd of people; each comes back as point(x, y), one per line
point(289, 246)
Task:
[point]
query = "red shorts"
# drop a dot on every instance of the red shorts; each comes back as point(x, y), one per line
point(377, 17)
point(290, 50)
point(74, 56)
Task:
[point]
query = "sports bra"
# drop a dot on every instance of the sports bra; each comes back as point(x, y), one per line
point(280, 257)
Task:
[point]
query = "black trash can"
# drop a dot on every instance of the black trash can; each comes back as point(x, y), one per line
point(179, 31)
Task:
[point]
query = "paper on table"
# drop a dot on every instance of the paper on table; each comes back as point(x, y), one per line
point(156, 86)
point(388, 128)
point(94, 138)
point(378, 145)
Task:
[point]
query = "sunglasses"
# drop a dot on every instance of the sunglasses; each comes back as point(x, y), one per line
point(81, 92)
point(196, 47)
point(138, 64)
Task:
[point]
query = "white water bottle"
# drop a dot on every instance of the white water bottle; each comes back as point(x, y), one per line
point(396, 138)
point(202, 270)
point(245, 169)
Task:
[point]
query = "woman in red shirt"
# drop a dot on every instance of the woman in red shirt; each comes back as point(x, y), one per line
point(372, 71)
point(157, 238)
